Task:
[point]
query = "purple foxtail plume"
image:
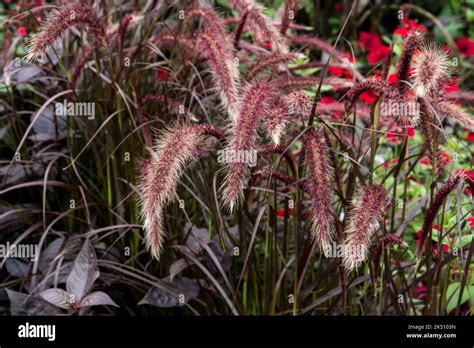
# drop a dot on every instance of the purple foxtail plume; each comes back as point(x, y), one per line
point(220, 54)
point(412, 42)
point(276, 120)
point(268, 62)
point(369, 207)
point(431, 68)
point(298, 102)
point(77, 14)
point(431, 135)
point(376, 85)
point(456, 113)
point(260, 25)
point(320, 188)
point(243, 135)
point(436, 204)
point(209, 16)
point(159, 178)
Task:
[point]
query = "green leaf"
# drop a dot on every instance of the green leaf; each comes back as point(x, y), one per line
point(454, 290)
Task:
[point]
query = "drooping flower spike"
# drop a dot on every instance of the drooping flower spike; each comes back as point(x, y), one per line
point(77, 14)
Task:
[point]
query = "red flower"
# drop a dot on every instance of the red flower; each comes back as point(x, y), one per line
point(420, 292)
point(407, 27)
point(342, 71)
point(452, 85)
point(470, 137)
point(162, 75)
point(336, 71)
point(370, 41)
point(396, 135)
point(468, 191)
point(368, 97)
point(267, 45)
point(393, 161)
point(392, 78)
point(281, 212)
point(22, 31)
point(379, 55)
point(469, 173)
point(471, 221)
point(338, 7)
point(465, 46)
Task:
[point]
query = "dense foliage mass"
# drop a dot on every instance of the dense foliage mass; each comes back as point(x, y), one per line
point(234, 157)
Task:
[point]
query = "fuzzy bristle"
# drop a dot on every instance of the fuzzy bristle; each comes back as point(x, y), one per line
point(243, 134)
point(457, 114)
point(55, 28)
point(431, 68)
point(320, 187)
point(411, 43)
point(373, 84)
point(369, 208)
point(276, 120)
point(220, 57)
point(159, 178)
point(260, 25)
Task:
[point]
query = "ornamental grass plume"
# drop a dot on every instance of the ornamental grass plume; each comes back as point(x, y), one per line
point(77, 14)
point(276, 120)
point(219, 54)
point(374, 84)
point(160, 174)
point(369, 207)
point(320, 188)
point(411, 43)
point(436, 204)
point(432, 136)
point(260, 25)
point(267, 62)
point(431, 68)
point(456, 113)
point(256, 99)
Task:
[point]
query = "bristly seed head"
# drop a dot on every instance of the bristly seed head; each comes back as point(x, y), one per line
point(220, 57)
point(243, 135)
point(431, 68)
point(77, 14)
point(320, 188)
point(159, 178)
point(369, 207)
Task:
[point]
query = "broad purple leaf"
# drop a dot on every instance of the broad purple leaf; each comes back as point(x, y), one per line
point(25, 304)
point(97, 298)
point(57, 297)
point(83, 274)
point(16, 268)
